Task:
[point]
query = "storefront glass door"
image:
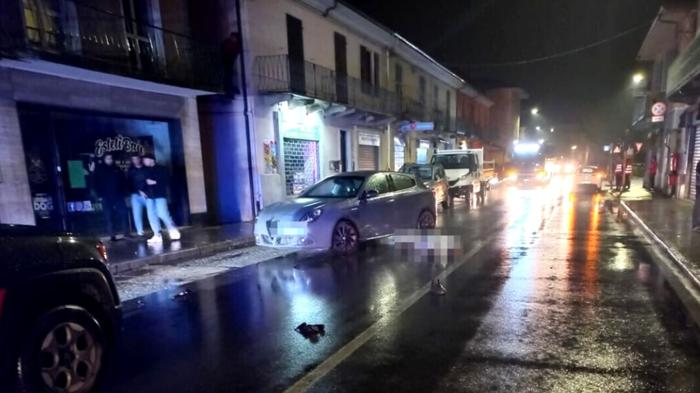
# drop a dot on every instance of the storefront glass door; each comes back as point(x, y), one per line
point(62, 145)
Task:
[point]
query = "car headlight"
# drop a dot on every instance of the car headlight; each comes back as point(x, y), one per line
point(313, 215)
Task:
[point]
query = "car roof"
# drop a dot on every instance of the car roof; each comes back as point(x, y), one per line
point(360, 173)
point(412, 164)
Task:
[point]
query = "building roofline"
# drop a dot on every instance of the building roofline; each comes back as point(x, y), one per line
point(364, 25)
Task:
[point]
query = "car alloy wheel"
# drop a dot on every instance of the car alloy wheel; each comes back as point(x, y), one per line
point(64, 352)
point(345, 237)
point(426, 220)
point(70, 358)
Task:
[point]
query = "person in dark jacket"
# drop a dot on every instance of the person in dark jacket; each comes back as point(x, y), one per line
point(157, 183)
point(136, 176)
point(110, 186)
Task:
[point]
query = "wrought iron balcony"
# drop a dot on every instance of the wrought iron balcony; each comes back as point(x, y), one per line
point(279, 74)
point(85, 36)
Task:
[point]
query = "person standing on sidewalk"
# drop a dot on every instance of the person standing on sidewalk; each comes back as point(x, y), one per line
point(110, 186)
point(696, 206)
point(619, 170)
point(652, 172)
point(136, 176)
point(157, 182)
point(628, 174)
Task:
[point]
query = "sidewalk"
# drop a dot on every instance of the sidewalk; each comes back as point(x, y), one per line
point(666, 223)
point(196, 242)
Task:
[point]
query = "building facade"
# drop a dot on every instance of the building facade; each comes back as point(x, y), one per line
point(333, 91)
point(670, 53)
point(505, 115)
point(72, 90)
point(246, 102)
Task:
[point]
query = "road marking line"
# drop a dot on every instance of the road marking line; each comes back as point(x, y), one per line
point(313, 376)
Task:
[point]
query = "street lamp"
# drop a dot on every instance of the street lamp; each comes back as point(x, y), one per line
point(551, 129)
point(574, 147)
point(538, 128)
point(541, 141)
point(638, 78)
point(535, 111)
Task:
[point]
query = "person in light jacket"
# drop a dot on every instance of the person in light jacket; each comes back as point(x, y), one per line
point(157, 183)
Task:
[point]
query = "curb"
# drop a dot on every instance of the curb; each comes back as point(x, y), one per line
point(199, 251)
point(673, 266)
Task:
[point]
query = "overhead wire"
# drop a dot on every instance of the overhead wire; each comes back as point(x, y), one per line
point(558, 54)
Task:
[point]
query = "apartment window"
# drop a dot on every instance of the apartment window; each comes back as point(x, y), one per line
point(369, 70)
point(398, 80)
point(375, 73)
point(448, 101)
point(436, 95)
point(365, 69)
point(421, 90)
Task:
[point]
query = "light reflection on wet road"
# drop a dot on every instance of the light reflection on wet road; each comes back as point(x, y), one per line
point(561, 299)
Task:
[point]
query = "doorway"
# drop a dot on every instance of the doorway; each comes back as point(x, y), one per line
point(295, 45)
point(343, 151)
point(341, 68)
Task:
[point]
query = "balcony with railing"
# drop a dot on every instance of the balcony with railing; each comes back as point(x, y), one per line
point(279, 74)
point(85, 36)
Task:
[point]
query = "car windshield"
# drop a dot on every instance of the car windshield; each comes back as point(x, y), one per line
point(336, 187)
point(422, 172)
point(454, 161)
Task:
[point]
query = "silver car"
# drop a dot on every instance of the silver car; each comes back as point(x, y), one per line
point(342, 210)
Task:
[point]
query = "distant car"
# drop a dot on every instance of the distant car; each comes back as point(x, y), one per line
point(433, 176)
point(342, 210)
point(588, 179)
point(59, 311)
point(530, 175)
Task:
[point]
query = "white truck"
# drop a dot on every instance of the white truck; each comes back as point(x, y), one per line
point(466, 171)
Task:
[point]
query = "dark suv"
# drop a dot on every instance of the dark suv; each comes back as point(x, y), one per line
point(59, 311)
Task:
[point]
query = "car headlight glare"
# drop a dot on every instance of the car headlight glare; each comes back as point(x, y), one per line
point(313, 215)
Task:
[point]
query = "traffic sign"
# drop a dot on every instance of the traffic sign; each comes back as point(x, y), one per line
point(658, 112)
point(639, 146)
point(658, 109)
point(617, 149)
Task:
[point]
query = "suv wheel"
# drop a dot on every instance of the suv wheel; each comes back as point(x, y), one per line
point(63, 352)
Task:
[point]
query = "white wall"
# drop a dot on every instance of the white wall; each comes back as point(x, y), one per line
point(270, 37)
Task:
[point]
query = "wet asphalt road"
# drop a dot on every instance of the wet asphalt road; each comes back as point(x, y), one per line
point(546, 293)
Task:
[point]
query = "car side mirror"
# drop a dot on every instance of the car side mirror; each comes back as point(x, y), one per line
point(370, 194)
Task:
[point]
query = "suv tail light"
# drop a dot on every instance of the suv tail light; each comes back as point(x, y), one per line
point(102, 250)
point(2, 299)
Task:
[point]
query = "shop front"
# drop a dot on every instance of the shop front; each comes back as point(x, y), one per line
point(300, 132)
point(399, 153)
point(61, 146)
point(368, 150)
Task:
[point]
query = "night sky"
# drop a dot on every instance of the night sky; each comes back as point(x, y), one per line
point(589, 89)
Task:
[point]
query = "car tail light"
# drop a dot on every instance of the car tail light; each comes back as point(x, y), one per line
point(2, 299)
point(102, 250)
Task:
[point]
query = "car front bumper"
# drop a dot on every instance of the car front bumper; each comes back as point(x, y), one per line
point(292, 235)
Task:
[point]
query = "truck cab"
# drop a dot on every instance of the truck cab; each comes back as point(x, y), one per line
point(464, 170)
